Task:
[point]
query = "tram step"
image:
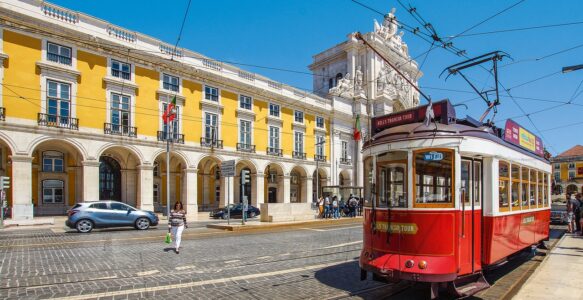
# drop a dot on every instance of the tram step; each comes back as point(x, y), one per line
point(469, 285)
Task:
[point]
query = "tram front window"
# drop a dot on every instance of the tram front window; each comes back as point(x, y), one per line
point(368, 178)
point(433, 171)
point(392, 185)
point(515, 189)
point(503, 186)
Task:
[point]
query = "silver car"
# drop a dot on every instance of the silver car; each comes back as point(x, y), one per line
point(88, 215)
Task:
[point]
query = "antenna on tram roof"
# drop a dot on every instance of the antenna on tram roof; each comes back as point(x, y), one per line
point(478, 60)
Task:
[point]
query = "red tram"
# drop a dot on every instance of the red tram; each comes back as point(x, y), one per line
point(444, 201)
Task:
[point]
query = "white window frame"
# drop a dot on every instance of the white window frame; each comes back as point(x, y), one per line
point(572, 166)
point(557, 176)
point(269, 137)
point(323, 122)
point(177, 120)
point(299, 141)
point(164, 75)
point(344, 151)
point(204, 93)
point(322, 146)
point(53, 156)
point(241, 97)
point(44, 51)
point(129, 111)
point(53, 189)
point(278, 110)
point(298, 114)
point(59, 55)
point(572, 172)
point(59, 99)
point(217, 127)
point(250, 132)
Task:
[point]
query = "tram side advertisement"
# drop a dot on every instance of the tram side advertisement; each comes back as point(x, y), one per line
point(519, 136)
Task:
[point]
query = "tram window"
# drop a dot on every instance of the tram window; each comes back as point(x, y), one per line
point(504, 182)
point(368, 171)
point(532, 189)
point(515, 187)
point(392, 185)
point(477, 183)
point(546, 190)
point(539, 198)
point(524, 188)
point(433, 178)
point(466, 180)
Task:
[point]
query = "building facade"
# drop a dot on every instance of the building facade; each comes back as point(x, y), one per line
point(82, 103)
point(568, 171)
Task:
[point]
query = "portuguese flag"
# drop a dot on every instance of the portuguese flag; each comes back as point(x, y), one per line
point(357, 131)
point(170, 113)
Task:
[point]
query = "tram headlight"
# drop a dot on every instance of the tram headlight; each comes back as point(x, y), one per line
point(422, 265)
point(409, 264)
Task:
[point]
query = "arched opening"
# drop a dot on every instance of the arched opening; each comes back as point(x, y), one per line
point(209, 183)
point(6, 169)
point(557, 189)
point(344, 178)
point(118, 175)
point(572, 189)
point(177, 179)
point(57, 177)
point(109, 179)
point(299, 192)
point(274, 183)
point(319, 179)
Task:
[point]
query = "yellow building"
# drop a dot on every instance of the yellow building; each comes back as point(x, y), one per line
point(568, 171)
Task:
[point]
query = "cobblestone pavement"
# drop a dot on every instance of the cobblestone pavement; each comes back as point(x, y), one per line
point(316, 262)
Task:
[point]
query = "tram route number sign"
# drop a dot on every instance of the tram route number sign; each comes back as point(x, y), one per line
point(433, 156)
point(228, 168)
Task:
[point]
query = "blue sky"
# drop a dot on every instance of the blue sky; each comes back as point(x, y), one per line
point(285, 34)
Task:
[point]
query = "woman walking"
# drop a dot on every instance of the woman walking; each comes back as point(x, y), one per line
point(176, 224)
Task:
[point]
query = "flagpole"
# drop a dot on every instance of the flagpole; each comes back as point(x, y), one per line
point(168, 138)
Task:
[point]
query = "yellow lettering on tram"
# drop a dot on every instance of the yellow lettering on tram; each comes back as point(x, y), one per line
point(528, 220)
point(404, 228)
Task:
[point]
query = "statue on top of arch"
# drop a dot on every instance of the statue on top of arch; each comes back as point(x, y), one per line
point(388, 32)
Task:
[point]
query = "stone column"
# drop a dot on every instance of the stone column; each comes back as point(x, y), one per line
point(359, 164)
point(90, 180)
point(258, 190)
point(307, 189)
point(286, 188)
point(191, 188)
point(146, 188)
point(21, 185)
point(227, 191)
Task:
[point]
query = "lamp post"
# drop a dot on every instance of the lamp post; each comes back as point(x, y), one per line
point(318, 167)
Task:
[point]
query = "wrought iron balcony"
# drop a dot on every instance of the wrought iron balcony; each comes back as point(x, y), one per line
point(210, 143)
point(319, 157)
point(274, 151)
point(299, 155)
point(2, 114)
point(58, 121)
point(115, 129)
point(345, 160)
point(65, 60)
point(245, 147)
point(176, 138)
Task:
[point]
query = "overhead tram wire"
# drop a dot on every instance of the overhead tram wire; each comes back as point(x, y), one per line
point(181, 29)
point(520, 29)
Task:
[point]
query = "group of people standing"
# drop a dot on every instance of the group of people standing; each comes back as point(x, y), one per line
point(330, 209)
point(574, 211)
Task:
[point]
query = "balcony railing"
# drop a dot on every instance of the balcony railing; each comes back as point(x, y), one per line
point(245, 147)
point(299, 155)
point(120, 74)
point(210, 143)
point(319, 157)
point(58, 121)
point(115, 129)
point(176, 138)
point(65, 60)
point(274, 151)
point(2, 114)
point(345, 160)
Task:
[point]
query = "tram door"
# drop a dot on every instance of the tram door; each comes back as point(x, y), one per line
point(470, 215)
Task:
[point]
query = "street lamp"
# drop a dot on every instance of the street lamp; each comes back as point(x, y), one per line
point(572, 68)
point(318, 167)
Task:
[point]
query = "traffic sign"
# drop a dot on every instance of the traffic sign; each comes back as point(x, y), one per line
point(228, 168)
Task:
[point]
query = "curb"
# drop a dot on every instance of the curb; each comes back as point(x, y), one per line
point(239, 227)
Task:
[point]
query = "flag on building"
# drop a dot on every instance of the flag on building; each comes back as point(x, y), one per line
point(357, 131)
point(170, 113)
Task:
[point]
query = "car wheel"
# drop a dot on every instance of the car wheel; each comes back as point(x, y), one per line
point(224, 217)
point(252, 214)
point(142, 223)
point(84, 226)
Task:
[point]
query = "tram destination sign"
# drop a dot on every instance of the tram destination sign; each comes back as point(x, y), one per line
point(517, 135)
point(443, 110)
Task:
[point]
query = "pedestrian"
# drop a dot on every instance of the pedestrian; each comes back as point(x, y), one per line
point(577, 212)
point(327, 208)
point(360, 200)
point(176, 224)
point(321, 207)
point(335, 207)
point(352, 204)
point(570, 213)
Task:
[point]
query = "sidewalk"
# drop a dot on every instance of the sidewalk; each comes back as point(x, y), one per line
point(561, 274)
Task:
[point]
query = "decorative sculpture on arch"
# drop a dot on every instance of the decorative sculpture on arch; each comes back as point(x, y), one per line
point(349, 88)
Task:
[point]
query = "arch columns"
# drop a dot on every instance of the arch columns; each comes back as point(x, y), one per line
point(227, 191)
point(191, 187)
point(258, 192)
point(146, 188)
point(307, 189)
point(286, 188)
point(22, 207)
point(90, 180)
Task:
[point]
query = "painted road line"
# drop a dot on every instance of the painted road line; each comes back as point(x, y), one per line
point(103, 278)
point(184, 267)
point(264, 257)
point(342, 245)
point(112, 294)
point(232, 261)
point(330, 228)
point(313, 229)
point(146, 273)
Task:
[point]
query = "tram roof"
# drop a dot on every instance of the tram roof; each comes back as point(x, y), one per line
point(446, 125)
